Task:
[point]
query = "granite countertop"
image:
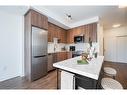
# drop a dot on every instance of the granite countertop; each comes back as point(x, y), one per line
point(91, 70)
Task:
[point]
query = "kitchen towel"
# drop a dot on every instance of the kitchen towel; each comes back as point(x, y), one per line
point(67, 81)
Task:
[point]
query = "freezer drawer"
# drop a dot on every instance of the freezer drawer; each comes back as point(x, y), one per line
point(38, 67)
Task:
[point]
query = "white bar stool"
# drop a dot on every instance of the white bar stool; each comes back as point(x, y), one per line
point(109, 83)
point(110, 72)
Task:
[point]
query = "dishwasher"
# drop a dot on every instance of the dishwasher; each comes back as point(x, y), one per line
point(84, 82)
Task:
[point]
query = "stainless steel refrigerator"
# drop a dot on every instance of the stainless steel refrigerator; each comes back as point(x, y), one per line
point(39, 53)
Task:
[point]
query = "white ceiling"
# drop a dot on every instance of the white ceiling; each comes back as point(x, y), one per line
point(108, 15)
point(18, 10)
point(78, 12)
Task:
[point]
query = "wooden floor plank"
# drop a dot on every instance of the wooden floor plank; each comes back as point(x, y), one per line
point(47, 82)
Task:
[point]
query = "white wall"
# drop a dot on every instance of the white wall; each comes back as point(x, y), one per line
point(11, 45)
point(110, 42)
point(100, 36)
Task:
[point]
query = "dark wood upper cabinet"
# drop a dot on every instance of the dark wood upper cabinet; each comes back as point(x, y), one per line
point(38, 19)
point(55, 31)
point(86, 33)
point(89, 31)
point(63, 35)
point(50, 32)
point(78, 31)
point(70, 36)
point(93, 33)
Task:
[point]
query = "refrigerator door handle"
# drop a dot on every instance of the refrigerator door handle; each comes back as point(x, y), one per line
point(40, 56)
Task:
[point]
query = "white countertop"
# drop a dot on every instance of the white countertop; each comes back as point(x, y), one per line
point(91, 70)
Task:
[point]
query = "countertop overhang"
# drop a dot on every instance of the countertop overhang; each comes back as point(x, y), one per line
point(91, 70)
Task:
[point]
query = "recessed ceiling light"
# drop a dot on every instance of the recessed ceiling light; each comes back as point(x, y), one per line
point(116, 25)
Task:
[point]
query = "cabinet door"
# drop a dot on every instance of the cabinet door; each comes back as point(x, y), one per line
point(34, 18)
point(50, 62)
point(90, 32)
point(86, 33)
point(55, 57)
point(61, 56)
point(55, 31)
point(63, 36)
point(77, 31)
point(69, 55)
point(50, 32)
point(43, 22)
point(39, 20)
point(68, 36)
point(64, 55)
point(74, 30)
point(81, 29)
point(72, 36)
point(58, 33)
point(93, 32)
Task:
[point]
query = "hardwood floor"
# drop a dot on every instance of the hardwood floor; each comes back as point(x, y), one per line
point(47, 82)
point(50, 80)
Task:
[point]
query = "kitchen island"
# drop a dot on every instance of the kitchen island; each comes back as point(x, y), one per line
point(71, 72)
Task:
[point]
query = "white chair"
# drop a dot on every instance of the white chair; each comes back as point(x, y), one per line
point(109, 83)
point(110, 72)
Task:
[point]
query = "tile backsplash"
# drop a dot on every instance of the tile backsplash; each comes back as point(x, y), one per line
point(78, 47)
point(58, 47)
point(83, 46)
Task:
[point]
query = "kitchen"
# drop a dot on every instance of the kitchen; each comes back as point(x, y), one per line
point(62, 44)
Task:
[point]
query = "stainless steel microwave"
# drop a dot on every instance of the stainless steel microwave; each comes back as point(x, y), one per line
point(79, 39)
